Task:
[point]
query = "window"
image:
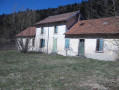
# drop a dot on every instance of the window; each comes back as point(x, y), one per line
point(42, 44)
point(33, 42)
point(42, 30)
point(56, 29)
point(67, 43)
point(82, 40)
point(99, 46)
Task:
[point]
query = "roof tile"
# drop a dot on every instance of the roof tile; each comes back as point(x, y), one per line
point(31, 31)
point(108, 25)
point(56, 18)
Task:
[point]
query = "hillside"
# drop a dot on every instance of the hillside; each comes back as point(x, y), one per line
point(12, 24)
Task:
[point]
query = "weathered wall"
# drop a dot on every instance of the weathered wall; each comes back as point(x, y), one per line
point(72, 51)
point(90, 44)
point(49, 39)
point(108, 53)
point(73, 48)
point(30, 47)
point(109, 50)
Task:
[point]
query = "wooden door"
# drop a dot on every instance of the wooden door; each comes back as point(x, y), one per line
point(54, 45)
point(81, 47)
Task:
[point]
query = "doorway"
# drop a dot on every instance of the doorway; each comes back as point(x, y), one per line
point(81, 47)
point(54, 45)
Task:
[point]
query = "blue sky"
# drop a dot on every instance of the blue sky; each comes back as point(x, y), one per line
point(8, 6)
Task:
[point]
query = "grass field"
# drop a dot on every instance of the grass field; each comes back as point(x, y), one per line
point(34, 71)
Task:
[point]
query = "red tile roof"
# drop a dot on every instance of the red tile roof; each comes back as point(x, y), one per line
point(31, 31)
point(95, 26)
point(56, 18)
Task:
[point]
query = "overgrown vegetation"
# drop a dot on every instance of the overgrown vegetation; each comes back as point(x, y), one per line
point(34, 71)
point(91, 9)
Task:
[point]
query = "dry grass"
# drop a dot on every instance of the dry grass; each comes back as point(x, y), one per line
point(34, 71)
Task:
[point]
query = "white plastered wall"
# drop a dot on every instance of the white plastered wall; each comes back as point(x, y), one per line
point(108, 53)
point(49, 39)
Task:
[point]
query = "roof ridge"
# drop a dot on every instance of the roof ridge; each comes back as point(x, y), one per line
point(63, 13)
point(100, 18)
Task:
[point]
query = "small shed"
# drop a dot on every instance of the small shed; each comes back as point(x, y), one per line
point(26, 39)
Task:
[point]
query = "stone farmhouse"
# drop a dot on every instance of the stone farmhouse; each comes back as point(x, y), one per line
point(67, 35)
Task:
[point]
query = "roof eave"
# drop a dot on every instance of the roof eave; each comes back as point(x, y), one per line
point(93, 34)
point(50, 22)
point(26, 36)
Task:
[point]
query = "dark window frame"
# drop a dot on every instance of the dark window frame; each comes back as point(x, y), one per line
point(42, 43)
point(42, 30)
point(55, 29)
point(33, 42)
point(100, 49)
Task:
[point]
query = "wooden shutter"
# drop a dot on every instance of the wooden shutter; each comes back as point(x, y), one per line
point(55, 45)
point(97, 46)
point(41, 43)
point(101, 45)
point(66, 43)
point(33, 42)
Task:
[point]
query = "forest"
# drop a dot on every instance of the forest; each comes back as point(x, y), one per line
point(13, 23)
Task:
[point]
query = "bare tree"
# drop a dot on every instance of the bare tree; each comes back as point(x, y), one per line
point(107, 11)
point(27, 19)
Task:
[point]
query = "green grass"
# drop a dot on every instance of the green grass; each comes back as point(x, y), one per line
point(34, 71)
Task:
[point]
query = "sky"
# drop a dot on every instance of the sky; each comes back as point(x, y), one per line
point(9, 6)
